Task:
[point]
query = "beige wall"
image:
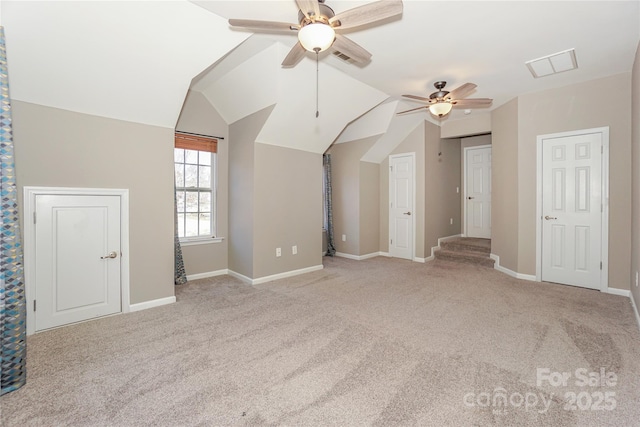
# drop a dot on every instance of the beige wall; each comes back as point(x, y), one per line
point(442, 178)
point(369, 208)
point(346, 200)
point(504, 184)
point(474, 141)
point(479, 122)
point(58, 148)
point(515, 128)
point(275, 200)
point(199, 116)
point(571, 108)
point(242, 136)
point(635, 166)
point(288, 209)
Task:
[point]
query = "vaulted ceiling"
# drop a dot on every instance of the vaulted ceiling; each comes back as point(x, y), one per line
point(136, 61)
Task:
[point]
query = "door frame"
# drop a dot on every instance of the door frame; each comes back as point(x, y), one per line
point(413, 202)
point(464, 182)
point(604, 242)
point(29, 201)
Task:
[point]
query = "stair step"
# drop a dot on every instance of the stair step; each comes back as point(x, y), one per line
point(466, 246)
point(469, 257)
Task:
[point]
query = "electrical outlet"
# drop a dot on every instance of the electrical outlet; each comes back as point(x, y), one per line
point(451, 221)
point(278, 252)
point(458, 190)
point(344, 237)
point(294, 250)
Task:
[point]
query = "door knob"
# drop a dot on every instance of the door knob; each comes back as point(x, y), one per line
point(112, 254)
point(547, 217)
point(407, 213)
point(470, 197)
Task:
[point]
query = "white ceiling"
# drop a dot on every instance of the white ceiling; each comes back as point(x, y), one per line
point(128, 60)
point(484, 42)
point(135, 60)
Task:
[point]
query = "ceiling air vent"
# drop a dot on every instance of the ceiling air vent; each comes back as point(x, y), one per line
point(342, 56)
point(553, 64)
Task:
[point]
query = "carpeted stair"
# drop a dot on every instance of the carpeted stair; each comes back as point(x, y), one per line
point(468, 250)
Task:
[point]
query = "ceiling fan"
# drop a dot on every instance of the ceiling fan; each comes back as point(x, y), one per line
point(441, 102)
point(318, 27)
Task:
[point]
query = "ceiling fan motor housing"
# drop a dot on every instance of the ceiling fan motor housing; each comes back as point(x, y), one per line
point(326, 13)
point(440, 94)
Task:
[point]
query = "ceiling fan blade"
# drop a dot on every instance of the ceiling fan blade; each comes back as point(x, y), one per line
point(351, 49)
point(413, 109)
point(366, 14)
point(309, 7)
point(473, 102)
point(462, 91)
point(295, 54)
point(263, 25)
point(419, 98)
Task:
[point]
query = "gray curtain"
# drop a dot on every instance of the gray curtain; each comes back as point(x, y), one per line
point(328, 210)
point(13, 315)
point(180, 275)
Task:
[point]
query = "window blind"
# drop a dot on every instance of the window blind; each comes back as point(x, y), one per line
point(196, 142)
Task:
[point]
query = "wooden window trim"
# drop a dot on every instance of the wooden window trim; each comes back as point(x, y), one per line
point(196, 142)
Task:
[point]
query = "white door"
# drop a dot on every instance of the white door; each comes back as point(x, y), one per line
point(478, 192)
point(77, 258)
point(401, 212)
point(571, 210)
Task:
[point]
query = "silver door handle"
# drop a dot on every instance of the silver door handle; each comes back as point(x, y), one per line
point(112, 254)
point(407, 213)
point(547, 217)
point(470, 197)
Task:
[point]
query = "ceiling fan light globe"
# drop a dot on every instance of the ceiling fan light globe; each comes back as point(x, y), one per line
point(316, 37)
point(440, 109)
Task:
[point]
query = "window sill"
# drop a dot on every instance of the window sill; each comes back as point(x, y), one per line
point(201, 241)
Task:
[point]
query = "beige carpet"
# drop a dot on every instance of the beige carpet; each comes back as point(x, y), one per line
point(375, 342)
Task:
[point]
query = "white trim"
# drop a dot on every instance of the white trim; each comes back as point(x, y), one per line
point(619, 292)
point(207, 274)
point(604, 275)
point(464, 183)
point(29, 207)
point(422, 260)
point(240, 276)
point(201, 241)
point(361, 257)
point(384, 254)
point(440, 241)
point(501, 269)
point(273, 277)
point(413, 208)
point(151, 304)
point(286, 274)
point(635, 309)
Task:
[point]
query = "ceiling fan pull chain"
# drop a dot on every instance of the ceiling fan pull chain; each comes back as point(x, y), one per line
point(317, 83)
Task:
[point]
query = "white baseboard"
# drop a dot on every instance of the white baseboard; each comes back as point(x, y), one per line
point(635, 309)
point(501, 269)
point(240, 277)
point(151, 304)
point(207, 274)
point(286, 274)
point(422, 260)
point(273, 277)
point(620, 292)
point(361, 257)
point(437, 248)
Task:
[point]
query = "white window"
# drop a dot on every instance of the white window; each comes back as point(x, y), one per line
point(195, 179)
